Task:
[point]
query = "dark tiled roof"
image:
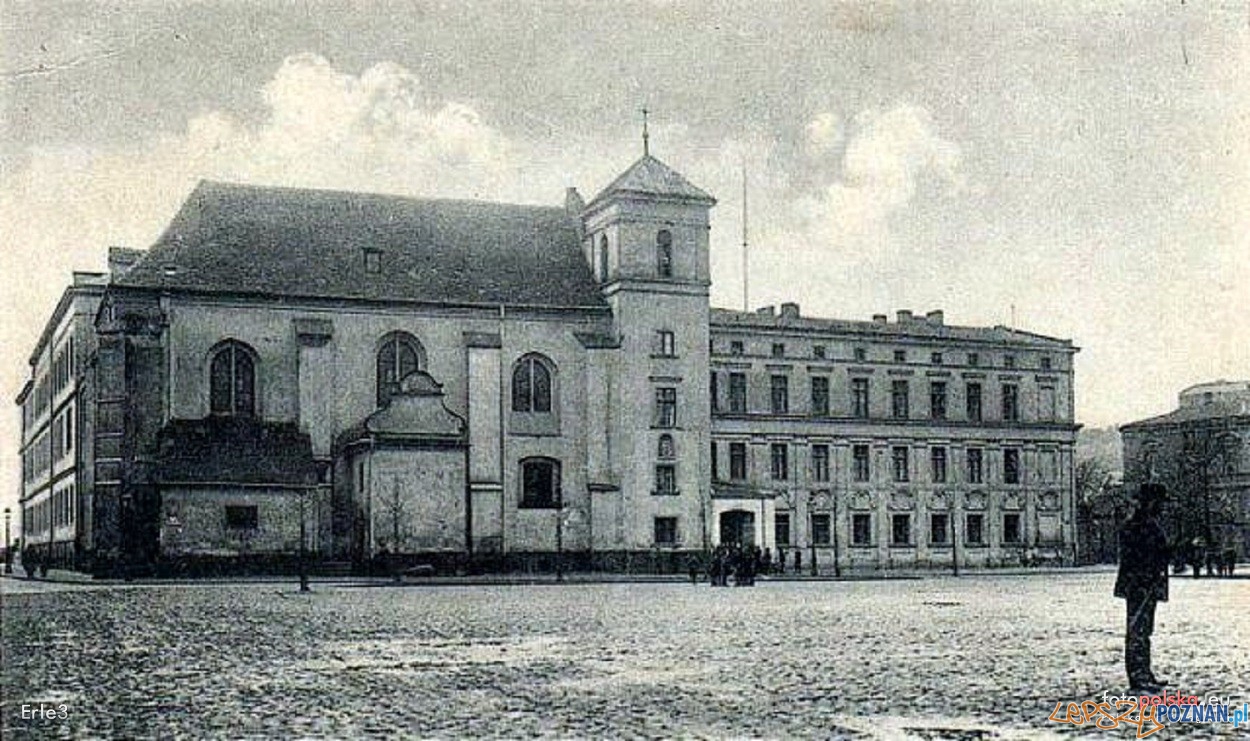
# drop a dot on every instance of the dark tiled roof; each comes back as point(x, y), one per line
point(238, 450)
point(1214, 411)
point(917, 328)
point(311, 243)
point(649, 176)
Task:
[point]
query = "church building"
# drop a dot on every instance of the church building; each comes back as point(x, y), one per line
point(491, 386)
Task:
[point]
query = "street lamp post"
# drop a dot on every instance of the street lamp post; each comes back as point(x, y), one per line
point(8, 548)
point(954, 537)
point(811, 529)
point(303, 544)
point(559, 536)
point(837, 569)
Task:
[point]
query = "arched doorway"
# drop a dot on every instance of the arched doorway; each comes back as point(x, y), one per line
point(737, 527)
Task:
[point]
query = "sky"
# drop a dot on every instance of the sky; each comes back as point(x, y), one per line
point(1083, 167)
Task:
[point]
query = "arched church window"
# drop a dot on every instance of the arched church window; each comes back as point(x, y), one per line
point(664, 253)
point(399, 355)
point(603, 258)
point(232, 380)
point(667, 449)
point(531, 385)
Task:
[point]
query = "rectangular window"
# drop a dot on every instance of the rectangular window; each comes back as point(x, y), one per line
point(859, 397)
point(973, 400)
point(821, 530)
point(901, 463)
point(780, 454)
point(240, 517)
point(974, 359)
point(1011, 466)
point(937, 465)
point(373, 261)
point(1009, 361)
point(976, 467)
point(974, 529)
point(665, 479)
point(735, 347)
point(936, 358)
point(820, 463)
point(666, 343)
point(779, 349)
point(898, 399)
point(666, 531)
point(738, 461)
point(666, 407)
point(714, 390)
point(738, 393)
point(862, 467)
point(1011, 402)
point(781, 394)
point(861, 354)
point(900, 529)
point(69, 429)
point(818, 351)
point(1046, 364)
point(939, 528)
point(861, 529)
point(937, 400)
point(715, 463)
point(900, 356)
point(1011, 529)
point(820, 396)
point(781, 528)
point(1047, 409)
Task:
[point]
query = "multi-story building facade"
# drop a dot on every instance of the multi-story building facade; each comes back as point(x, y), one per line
point(896, 443)
point(57, 406)
point(365, 376)
point(1201, 452)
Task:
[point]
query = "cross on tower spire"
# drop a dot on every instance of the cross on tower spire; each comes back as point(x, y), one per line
point(646, 147)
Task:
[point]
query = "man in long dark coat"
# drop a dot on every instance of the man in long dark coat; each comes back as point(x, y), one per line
point(1142, 582)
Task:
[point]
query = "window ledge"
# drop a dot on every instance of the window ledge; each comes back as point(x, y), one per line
point(674, 493)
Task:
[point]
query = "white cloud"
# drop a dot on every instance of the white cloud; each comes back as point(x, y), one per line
point(885, 158)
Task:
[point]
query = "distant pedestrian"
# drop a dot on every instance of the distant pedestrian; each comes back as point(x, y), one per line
point(798, 561)
point(1142, 582)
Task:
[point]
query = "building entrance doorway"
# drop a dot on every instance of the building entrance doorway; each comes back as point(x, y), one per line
point(737, 527)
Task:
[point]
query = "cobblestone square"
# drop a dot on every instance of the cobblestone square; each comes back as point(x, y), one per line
point(973, 657)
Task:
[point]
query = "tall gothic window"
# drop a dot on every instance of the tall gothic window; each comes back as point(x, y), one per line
point(399, 355)
point(531, 385)
point(664, 253)
point(232, 380)
point(603, 259)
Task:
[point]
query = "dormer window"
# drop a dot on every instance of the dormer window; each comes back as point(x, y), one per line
point(373, 261)
point(664, 253)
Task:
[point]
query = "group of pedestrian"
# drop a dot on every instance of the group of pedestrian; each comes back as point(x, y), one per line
point(1218, 562)
point(738, 563)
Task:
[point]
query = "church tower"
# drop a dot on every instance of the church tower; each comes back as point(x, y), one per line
point(647, 240)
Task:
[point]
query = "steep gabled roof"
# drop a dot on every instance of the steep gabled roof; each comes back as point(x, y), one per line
point(651, 177)
point(312, 243)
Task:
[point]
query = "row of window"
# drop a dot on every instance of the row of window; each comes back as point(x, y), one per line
point(861, 355)
point(37, 460)
point(901, 533)
point(233, 376)
point(63, 433)
point(900, 398)
point(58, 510)
point(663, 255)
point(59, 375)
point(900, 464)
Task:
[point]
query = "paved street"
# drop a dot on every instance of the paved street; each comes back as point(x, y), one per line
point(976, 657)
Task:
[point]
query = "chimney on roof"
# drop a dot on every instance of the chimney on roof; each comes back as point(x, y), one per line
point(935, 317)
point(790, 310)
point(574, 204)
point(904, 316)
point(122, 259)
point(879, 318)
point(766, 311)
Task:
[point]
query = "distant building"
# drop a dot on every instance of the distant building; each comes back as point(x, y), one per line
point(444, 381)
point(1201, 451)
